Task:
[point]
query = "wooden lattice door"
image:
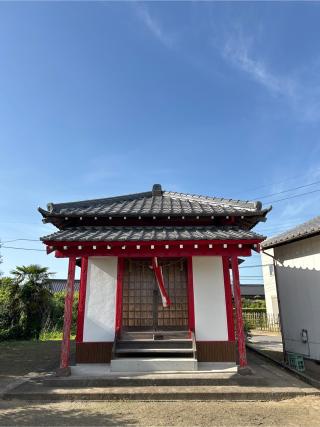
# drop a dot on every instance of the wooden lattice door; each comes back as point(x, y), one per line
point(142, 307)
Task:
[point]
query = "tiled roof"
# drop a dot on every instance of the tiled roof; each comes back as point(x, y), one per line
point(156, 202)
point(251, 290)
point(59, 285)
point(306, 229)
point(119, 234)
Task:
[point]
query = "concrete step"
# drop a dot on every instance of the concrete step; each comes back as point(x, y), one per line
point(154, 335)
point(153, 350)
point(143, 344)
point(145, 380)
point(153, 364)
point(242, 393)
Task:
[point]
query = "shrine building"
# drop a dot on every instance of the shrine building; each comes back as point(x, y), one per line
point(155, 284)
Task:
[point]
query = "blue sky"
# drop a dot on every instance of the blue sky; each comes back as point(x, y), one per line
point(99, 99)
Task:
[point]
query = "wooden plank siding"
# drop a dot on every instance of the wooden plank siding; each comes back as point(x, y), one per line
point(216, 351)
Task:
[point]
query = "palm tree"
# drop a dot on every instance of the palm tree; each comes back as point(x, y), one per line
point(32, 274)
point(35, 297)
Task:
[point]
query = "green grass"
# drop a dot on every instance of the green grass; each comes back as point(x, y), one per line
point(53, 336)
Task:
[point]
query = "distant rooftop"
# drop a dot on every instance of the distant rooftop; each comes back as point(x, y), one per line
point(249, 291)
point(307, 229)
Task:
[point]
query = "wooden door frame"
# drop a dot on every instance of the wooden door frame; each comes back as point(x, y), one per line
point(189, 294)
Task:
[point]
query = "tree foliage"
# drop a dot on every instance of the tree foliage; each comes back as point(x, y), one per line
point(54, 320)
point(10, 310)
point(27, 306)
point(253, 303)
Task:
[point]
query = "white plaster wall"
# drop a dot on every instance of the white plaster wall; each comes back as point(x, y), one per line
point(301, 254)
point(209, 299)
point(269, 282)
point(99, 320)
point(298, 276)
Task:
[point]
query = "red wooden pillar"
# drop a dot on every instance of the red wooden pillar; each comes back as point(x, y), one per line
point(119, 295)
point(190, 296)
point(228, 297)
point(64, 369)
point(82, 298)
point(237, 300)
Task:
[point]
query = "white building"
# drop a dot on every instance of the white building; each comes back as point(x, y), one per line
point(292, 272)
point(270, 289)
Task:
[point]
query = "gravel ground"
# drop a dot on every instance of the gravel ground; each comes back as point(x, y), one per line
point(294, 412)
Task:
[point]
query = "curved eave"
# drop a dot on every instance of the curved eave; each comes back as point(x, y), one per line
point(49, 216)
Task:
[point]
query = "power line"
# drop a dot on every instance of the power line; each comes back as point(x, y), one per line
point(22, 249)
point(281, 182)
point(254, 266)
point(290, 189)
point(27, 240)
point(292, 197)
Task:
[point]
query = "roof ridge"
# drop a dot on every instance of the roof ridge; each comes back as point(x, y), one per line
point(133, 196)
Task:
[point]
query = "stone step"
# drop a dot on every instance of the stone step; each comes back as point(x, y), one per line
point(193, 393)
point(153, 364)
point(158, 379)
point(173, 343)
point(154, 335)
point(152, 350)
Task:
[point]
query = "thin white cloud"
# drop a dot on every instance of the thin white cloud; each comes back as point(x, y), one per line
point(154, 26)
point(299, 89)
point(237, 51)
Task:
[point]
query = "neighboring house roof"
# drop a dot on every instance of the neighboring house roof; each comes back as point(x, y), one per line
point(59, 285)
point(307, 229)
point(118, 234)
point(252, 290)
point(156, 202)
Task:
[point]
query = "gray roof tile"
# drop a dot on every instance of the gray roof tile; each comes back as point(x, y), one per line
point(151, 233)
point(151, 203)
point(301, 231)
point(60, 285)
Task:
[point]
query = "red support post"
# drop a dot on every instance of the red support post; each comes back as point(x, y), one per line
point(118, 319)
point(190, 296)
point(228, 298)
point(65, 346)
point(237, 300)
point(82, 298)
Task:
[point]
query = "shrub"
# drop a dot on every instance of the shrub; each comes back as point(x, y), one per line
point(255, 304)
point(54, 322)
point(11, 316)
point(28, 308)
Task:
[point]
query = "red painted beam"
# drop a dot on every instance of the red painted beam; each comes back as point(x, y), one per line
point(152, 242)
point(228, 298)
point(82, 298)
point(237, 300)
point(65, 346)
point(159, 251)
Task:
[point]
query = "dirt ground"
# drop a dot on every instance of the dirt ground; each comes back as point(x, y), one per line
point(19, 358)
point(295, 412)
point(22, 357)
